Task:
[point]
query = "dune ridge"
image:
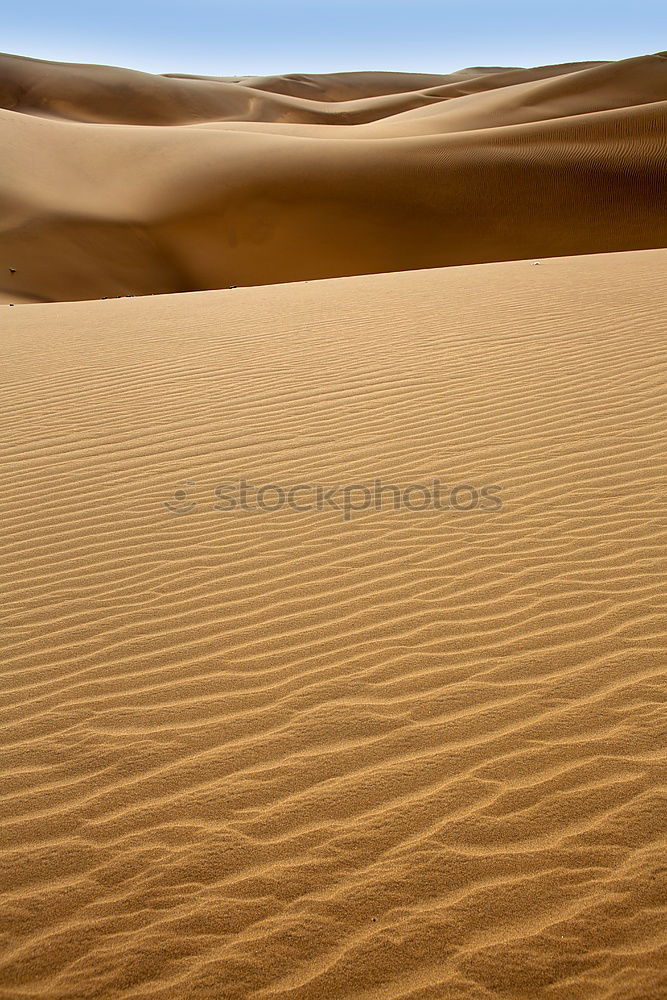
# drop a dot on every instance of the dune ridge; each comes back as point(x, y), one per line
point(411, 756)
point(118, 183)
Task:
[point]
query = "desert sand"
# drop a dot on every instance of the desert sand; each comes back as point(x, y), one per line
point(122, 183)
point(369, 754)
point(410, 755)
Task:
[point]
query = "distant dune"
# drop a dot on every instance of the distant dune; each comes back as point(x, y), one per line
point(407, 756)
point(116, 182)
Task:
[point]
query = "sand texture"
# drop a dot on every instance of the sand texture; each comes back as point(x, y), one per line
point(407, 756)
point(116, 182)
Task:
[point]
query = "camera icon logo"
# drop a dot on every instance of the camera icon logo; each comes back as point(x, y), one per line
point(180, 504)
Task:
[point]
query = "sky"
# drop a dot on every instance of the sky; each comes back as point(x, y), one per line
point(265, 37)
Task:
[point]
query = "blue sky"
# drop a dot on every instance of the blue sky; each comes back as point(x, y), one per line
point(250, 37)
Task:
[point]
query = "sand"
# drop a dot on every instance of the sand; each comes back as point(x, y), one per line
point(115, 182)
point(289, 755)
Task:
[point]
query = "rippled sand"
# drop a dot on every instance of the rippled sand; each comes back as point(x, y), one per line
point(407, 755)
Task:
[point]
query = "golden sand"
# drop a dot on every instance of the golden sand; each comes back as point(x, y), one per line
point(288, 755)
point(122, 183)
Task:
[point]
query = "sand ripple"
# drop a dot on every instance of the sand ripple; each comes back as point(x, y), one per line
point(281, 755)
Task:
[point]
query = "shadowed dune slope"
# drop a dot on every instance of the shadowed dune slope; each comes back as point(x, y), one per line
point(116, 182)
point(411, 755)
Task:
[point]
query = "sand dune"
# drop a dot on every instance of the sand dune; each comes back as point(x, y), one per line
point(408, 755)
point(122, 183)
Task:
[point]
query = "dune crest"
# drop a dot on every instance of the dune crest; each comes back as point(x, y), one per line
point(219, 181)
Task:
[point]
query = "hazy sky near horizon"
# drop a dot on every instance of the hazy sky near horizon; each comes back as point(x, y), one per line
point(261, 37)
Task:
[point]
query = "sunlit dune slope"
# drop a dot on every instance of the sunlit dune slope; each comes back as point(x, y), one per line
point(408, 755)
point(121, 183)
